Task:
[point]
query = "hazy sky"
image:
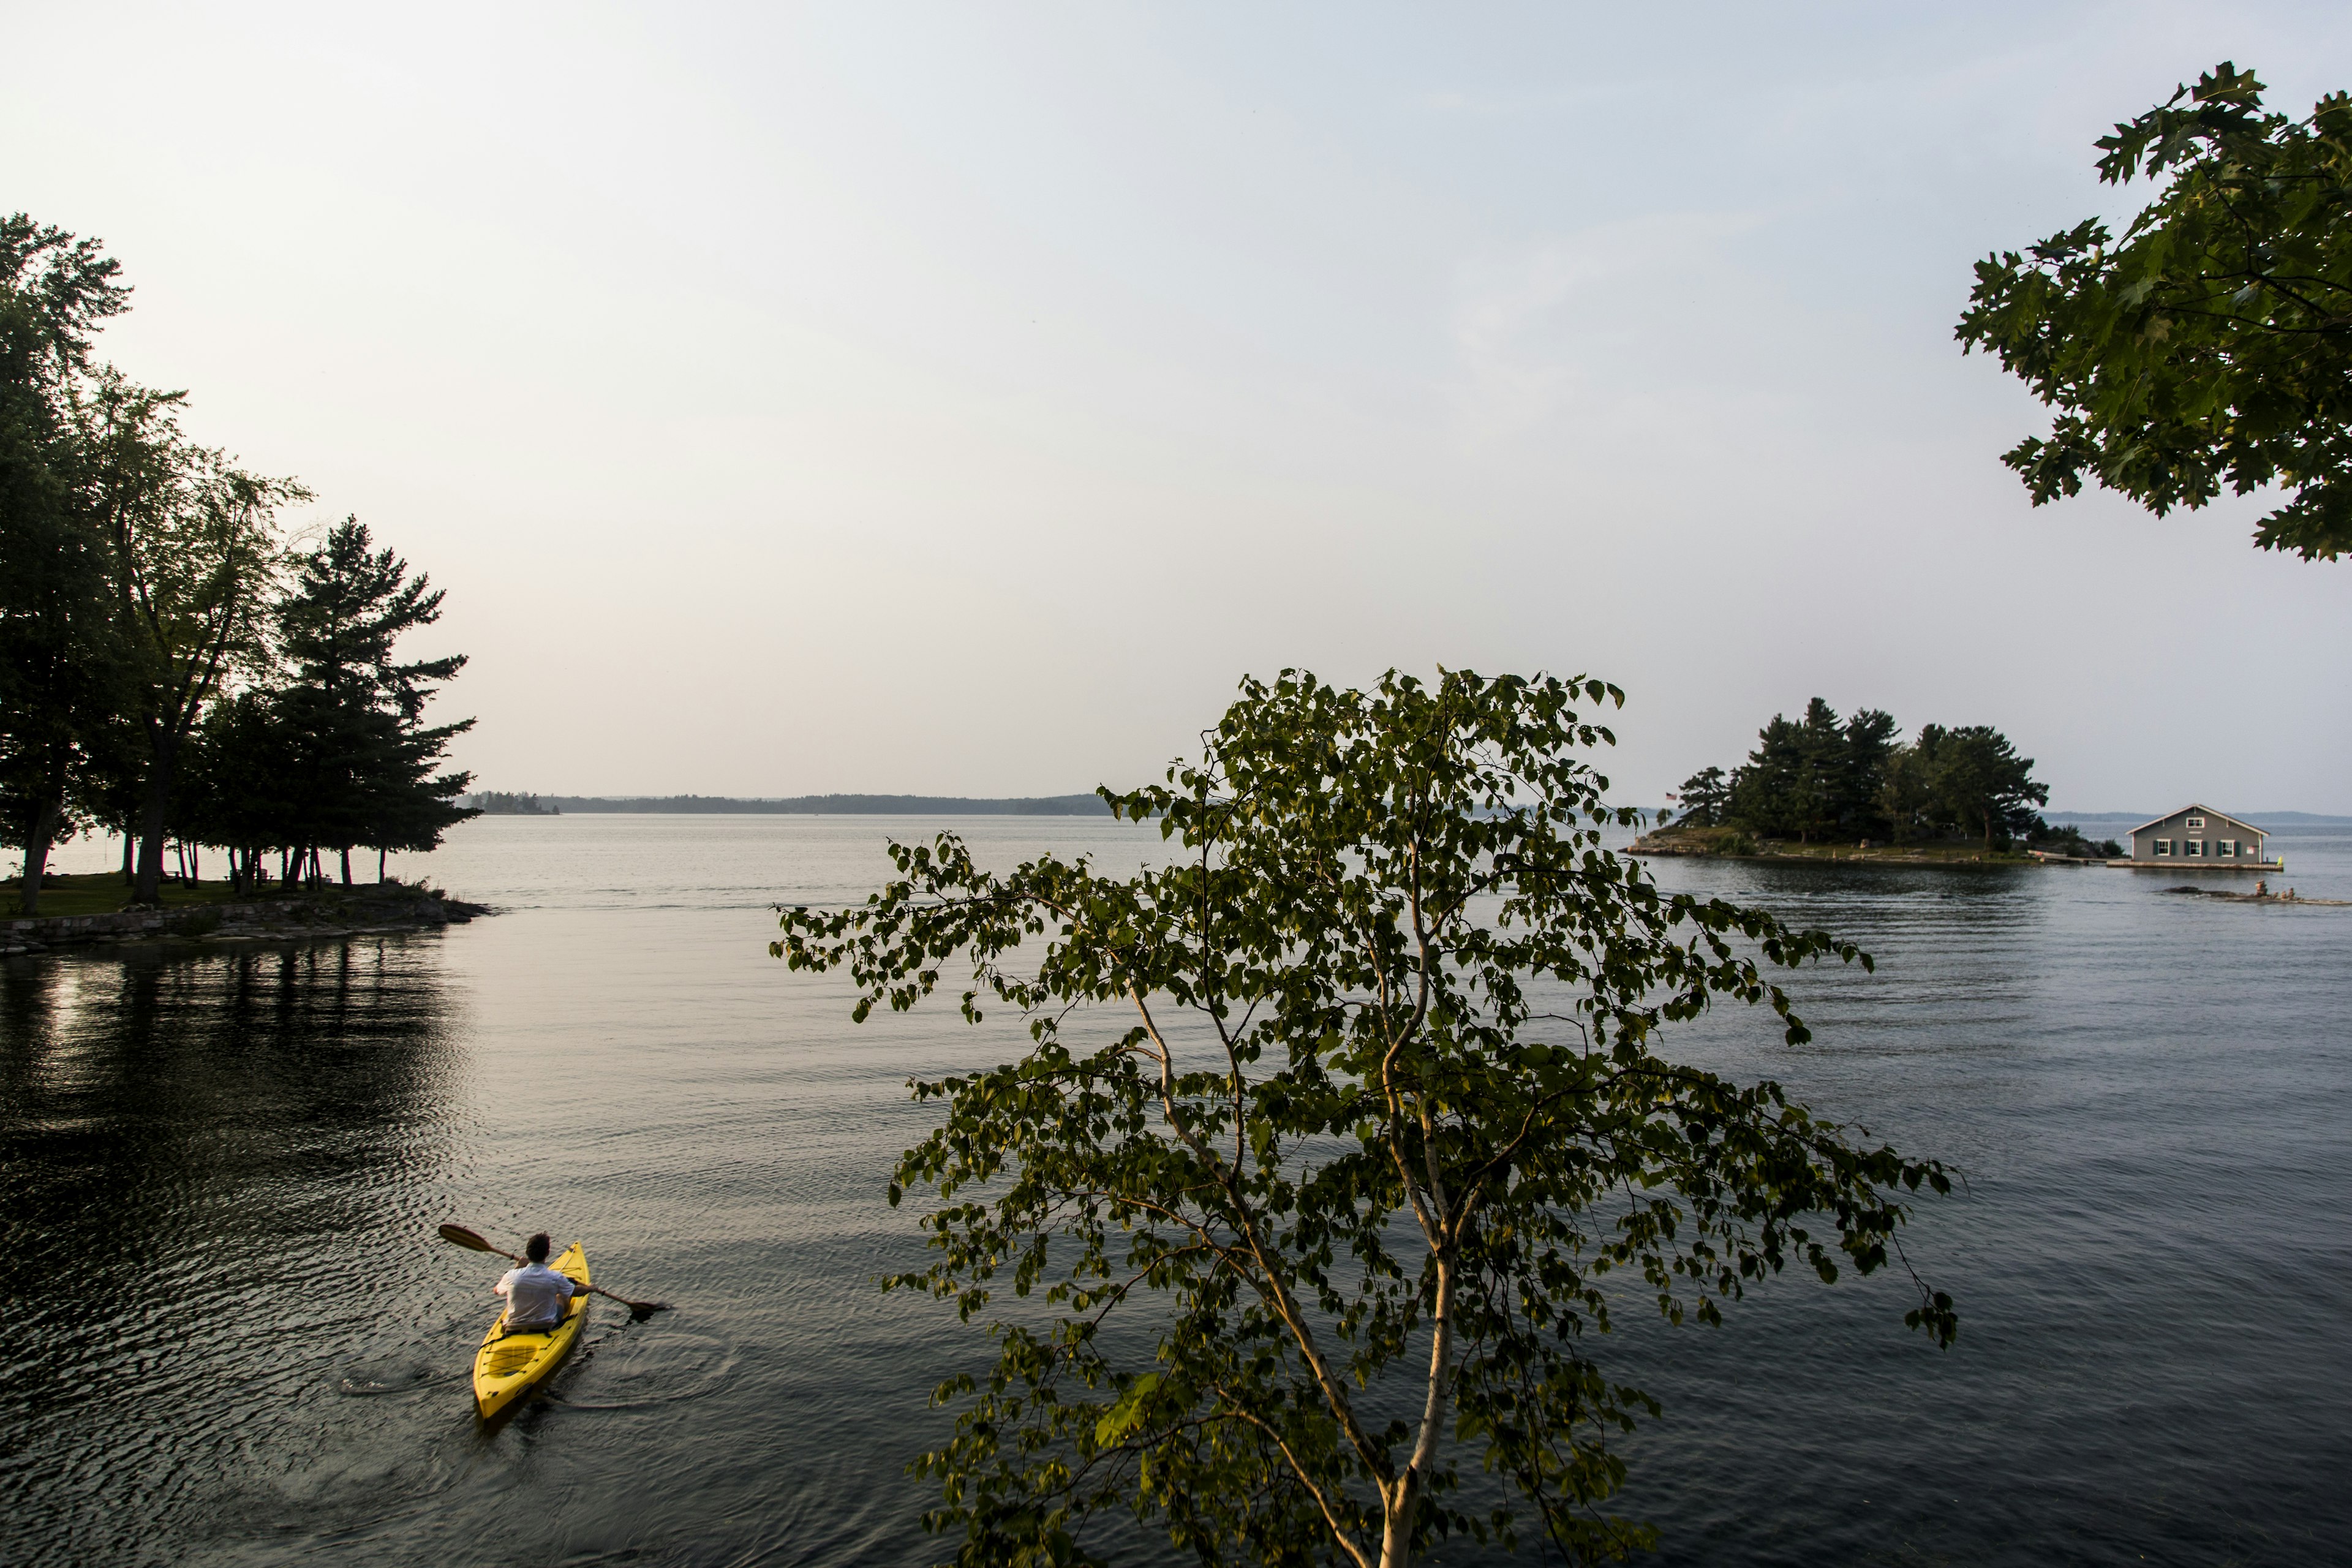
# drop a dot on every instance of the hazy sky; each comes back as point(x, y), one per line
point(960, 398)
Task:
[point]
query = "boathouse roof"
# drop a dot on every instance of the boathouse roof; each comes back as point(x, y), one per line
point(2206, 810)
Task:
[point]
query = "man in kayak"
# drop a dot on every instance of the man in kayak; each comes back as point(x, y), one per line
point(536, 1295)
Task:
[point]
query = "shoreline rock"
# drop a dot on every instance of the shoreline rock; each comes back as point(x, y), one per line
point(1732, 843)
point(2261, 895)
point(321, 914)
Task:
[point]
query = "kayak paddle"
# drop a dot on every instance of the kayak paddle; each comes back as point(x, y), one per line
point(640, 1310)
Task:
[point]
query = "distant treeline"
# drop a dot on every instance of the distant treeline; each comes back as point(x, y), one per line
point(822, 805)
point(499, 803)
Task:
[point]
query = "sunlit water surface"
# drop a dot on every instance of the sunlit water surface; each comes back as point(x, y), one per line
point(231, 1335)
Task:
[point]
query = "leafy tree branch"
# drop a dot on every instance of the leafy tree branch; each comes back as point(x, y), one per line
point(2210, 347)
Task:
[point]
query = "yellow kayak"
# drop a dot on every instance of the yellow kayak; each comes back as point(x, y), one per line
point(509, 1366)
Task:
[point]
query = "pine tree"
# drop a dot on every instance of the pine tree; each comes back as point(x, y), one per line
point(1905, 793)
point(1795, 781)
point(1705, 797)
point(363, 754)
point(1870, 742)
point(1982, 783)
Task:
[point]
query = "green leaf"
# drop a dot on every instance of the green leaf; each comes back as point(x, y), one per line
point(1126, 1415)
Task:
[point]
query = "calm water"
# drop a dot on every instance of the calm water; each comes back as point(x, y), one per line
point(230, 1334)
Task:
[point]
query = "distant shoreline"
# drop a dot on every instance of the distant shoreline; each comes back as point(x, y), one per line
point(2258, 818)
point(814, 806)
point(1078, 805)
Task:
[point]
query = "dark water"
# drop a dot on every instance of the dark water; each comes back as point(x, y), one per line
point(229, 1334)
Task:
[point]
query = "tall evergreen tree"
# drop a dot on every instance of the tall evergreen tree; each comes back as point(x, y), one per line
point(1817, 786)
point(1982, 783)
point(1761, 787)
point(1705, 797)
point(1906, 795)
point(366, 759)
point(1871, 736)
point(1794, 785)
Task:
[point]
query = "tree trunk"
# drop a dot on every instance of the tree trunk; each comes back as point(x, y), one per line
point(379, 864)
point(1403, 1499)
point(36, 855)
point(149, 886)
point(130, 848)
point(347, 865)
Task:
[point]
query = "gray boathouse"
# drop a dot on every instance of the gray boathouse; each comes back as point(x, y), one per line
point(2198, 838)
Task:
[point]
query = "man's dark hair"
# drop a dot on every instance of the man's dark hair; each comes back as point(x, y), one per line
point(536, 1247)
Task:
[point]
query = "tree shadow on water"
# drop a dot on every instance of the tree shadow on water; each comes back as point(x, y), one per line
point(215, 1167)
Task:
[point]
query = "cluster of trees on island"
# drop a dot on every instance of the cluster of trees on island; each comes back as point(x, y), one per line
point(173, 667)
point(1821, 777)
point(512, 803)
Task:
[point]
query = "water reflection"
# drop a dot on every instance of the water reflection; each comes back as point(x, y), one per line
point(2151, 1095)
point(209, 1166)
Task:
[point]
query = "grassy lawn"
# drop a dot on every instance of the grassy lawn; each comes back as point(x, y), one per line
point(103, 893)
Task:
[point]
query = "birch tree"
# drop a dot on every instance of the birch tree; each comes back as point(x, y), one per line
point(1338, 1142)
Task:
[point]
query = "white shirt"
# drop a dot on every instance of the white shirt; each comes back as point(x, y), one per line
point(537, 1294)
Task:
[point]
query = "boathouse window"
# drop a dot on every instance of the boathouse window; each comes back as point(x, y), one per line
point(2193, 848)
point(2164, 846)
point(2196, 822)
point(2225, 848)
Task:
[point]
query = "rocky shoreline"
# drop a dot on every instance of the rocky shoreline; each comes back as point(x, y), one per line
point(322, 914)
point(1731, 844)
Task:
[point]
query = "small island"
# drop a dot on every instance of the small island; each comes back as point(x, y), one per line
point(1820, 788)
point(2058, 847)
point(509, 803)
